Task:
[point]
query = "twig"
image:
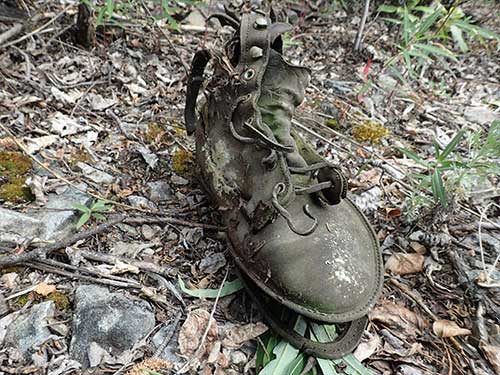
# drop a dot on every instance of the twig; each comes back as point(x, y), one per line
point(118, 122)
point(61, 265)
point(359, 35)
point(36, 31)
point(97, 280)
point(173, 221)
point(205, 334)
point(13, 31)
point(424, 307)
point(113, 259)
point(77, 104)
point(42, 252)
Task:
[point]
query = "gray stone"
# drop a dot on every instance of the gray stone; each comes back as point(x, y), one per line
point(16, 227)
point(111, 320)
point(94, 174)
point(169, 351)
point(178, 180)
point(159, 191)
point(481, 115)
point(58, 224)
point(140, 202)
point(212, 263)
point(29, 329)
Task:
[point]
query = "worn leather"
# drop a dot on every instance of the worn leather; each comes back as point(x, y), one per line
point(291, 230)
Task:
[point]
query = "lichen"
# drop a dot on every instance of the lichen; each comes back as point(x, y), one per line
point(369, 131)
point(14, 169)
point(183, 162)
point(154, 133)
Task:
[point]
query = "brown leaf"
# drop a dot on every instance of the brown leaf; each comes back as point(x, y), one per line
point(366, 348)
point(448, 328)
point(492, 354)
point(403, 264)
point(237, 335)
point(44, 289)
point(192, 331)
point(398, 317)
point(418, 247)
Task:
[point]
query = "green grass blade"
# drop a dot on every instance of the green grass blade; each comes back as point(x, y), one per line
point(438, 188)
point(83, 219)
point(228, 288)
point(452, 145)
point(285, 353)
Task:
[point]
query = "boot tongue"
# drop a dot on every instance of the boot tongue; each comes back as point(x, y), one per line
point(283, 89)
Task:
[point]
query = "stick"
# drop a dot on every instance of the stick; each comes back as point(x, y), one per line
point(42, 252)
point(359, 35)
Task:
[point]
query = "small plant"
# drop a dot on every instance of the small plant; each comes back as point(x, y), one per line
point(106, 9)
point(275, 356)
point(424, 31)
point(449, 172)
point(94, 211)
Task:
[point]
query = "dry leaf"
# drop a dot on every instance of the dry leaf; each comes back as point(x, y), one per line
point(366, 348)
point(44, 289)
point(122, 267)
point(418, 247)
point(492, 354)
point(237, 335)
point(192, 331)
point(399, 317)
point(448, 328)
point(403, 264)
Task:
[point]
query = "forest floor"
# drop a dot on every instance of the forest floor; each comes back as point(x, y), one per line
point(108, 120)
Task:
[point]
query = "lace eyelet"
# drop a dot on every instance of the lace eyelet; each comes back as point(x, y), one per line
point(249, 74)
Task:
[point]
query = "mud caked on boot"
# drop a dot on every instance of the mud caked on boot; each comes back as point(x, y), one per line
point(292, 232)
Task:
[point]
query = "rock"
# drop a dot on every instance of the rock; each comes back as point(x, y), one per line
point(4, 308)
point(111, 320)
point(481, 115)
point(129, 249)
point(148, 232)
point(195, 18)
point(159, 191)
point(178, 180)
point(141, 202)
point(238, 358)
point(94, 174)
point(28, 330)
point(9, 280)
point(16, 227)
point(212, 263)
point(60, 223)
point(169, 352)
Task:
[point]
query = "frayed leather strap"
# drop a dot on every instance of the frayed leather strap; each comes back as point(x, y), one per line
point(195, 80)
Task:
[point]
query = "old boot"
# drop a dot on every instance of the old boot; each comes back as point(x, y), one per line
point(295, 236)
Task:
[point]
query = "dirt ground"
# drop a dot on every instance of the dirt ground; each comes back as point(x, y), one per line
point(117, 106)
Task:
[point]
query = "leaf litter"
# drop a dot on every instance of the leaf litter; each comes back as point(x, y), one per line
point(61, 115)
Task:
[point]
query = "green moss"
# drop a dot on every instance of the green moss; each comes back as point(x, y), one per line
point(22, 300)
point(182, 162)
point(60, 299)
point(14, 169)
point(332, 123)
point(369, 131)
